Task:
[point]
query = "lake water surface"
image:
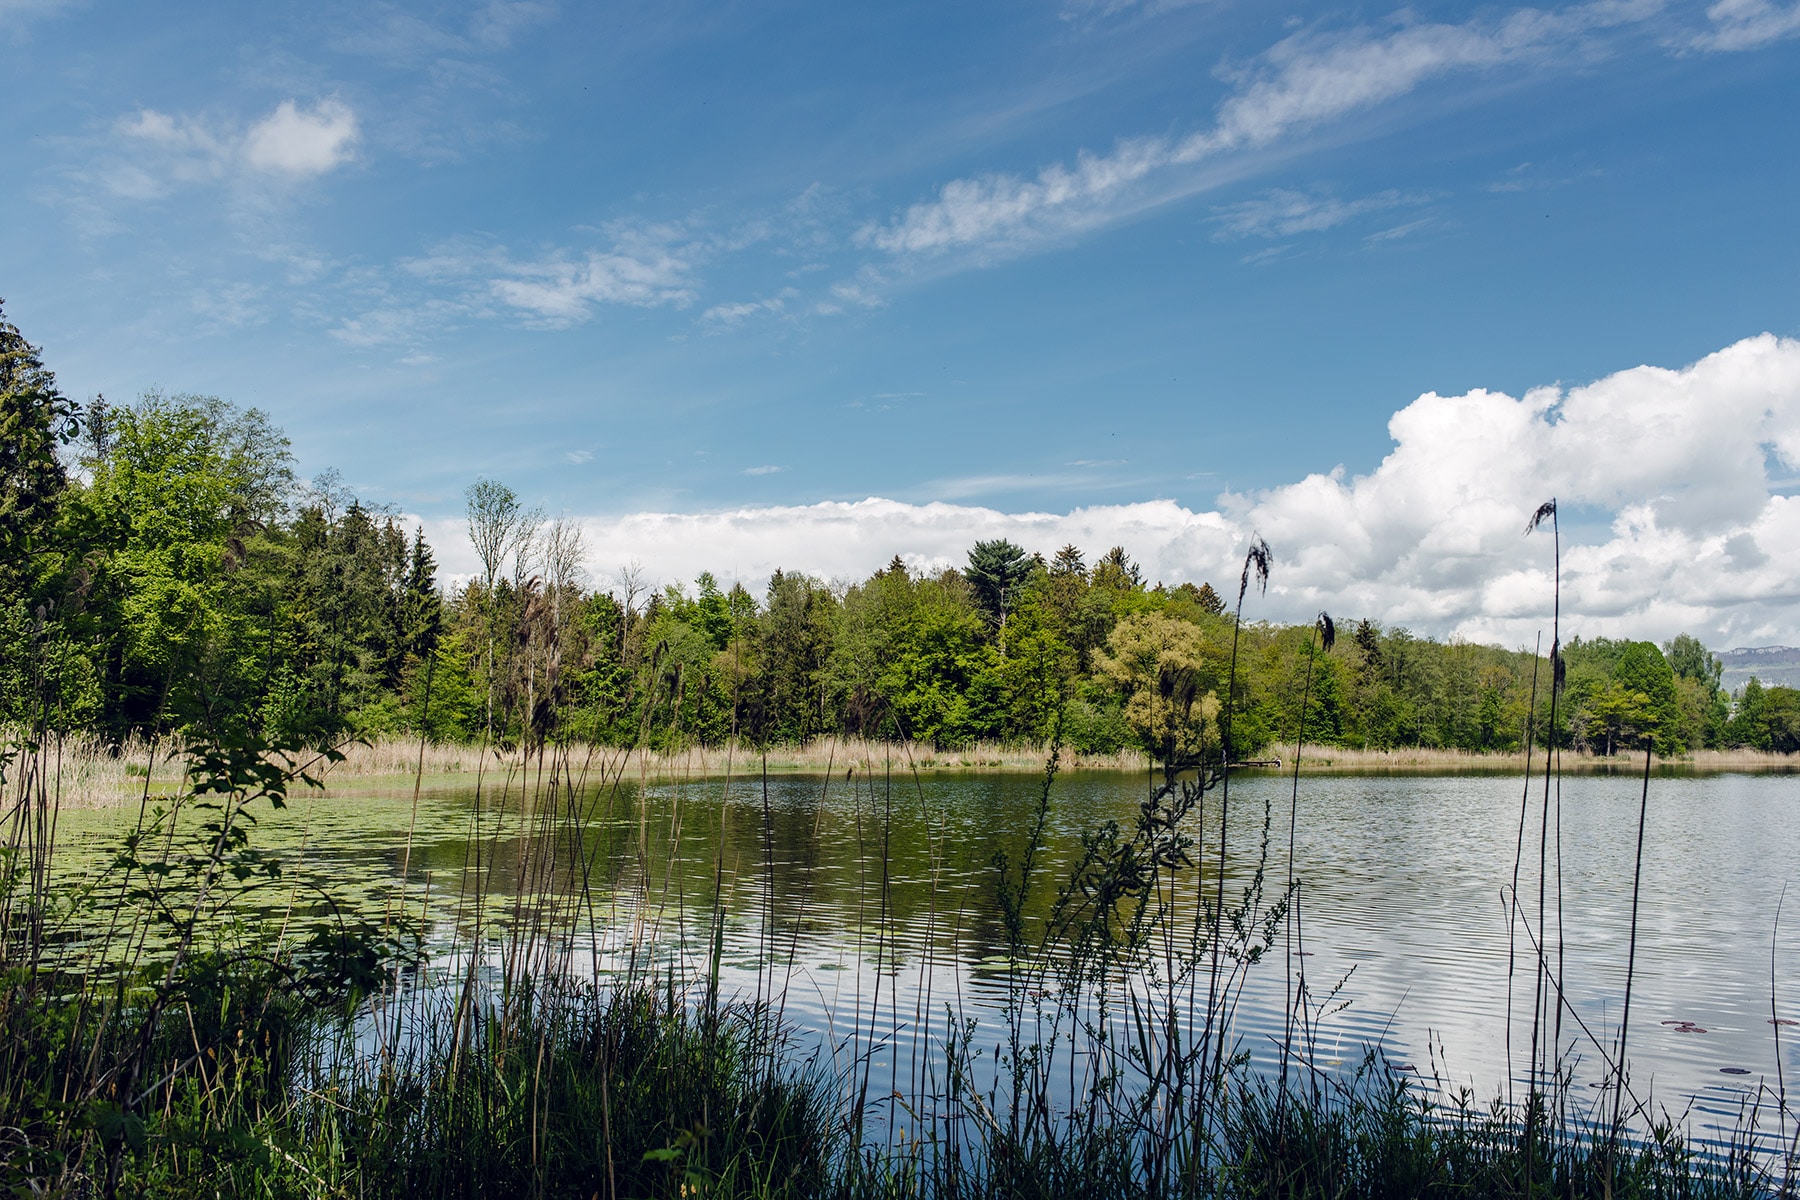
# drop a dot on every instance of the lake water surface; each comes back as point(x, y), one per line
point(864, 905)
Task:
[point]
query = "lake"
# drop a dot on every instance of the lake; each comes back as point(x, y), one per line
point(864, 904)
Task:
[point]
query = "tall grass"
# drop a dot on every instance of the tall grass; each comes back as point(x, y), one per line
point(210, 1018)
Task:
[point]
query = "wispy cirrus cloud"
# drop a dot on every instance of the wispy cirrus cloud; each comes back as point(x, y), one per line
point(1748, 24)
point(1303, 81)
point(640, 266)
point(1283, 212)
point(1306, 80)
point(405, 39)
point(735, 313)
point(1091, 10)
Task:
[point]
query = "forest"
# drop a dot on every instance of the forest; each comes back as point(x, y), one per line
point(162, 566)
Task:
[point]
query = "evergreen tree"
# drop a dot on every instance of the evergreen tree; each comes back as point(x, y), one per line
point(35, 419)
point(422, 609)
point(995, 572)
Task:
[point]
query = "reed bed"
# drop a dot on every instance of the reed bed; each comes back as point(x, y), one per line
point(1343, 760)
point(821, 756)
point(399, 757)
point(96, 775)
point(564, 1040)
point(93, 774)
point(87, 772)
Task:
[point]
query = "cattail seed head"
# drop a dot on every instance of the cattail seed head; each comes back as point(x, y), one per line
point(1257, 558)
point(1545, 512)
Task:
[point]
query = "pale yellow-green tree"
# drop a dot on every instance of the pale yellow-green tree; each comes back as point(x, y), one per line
point(1167, 670)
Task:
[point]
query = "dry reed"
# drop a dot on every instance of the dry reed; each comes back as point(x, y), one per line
point(94, 775)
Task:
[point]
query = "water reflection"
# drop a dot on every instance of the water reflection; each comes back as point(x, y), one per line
point(865, 907)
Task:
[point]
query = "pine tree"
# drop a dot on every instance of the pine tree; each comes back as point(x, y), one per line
point(995, 572)
point(422, 612)
point(35, 419)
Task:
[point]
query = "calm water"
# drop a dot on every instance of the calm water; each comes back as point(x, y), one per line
point(865, 904)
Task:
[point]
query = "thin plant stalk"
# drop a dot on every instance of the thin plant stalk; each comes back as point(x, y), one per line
point(1637, 876)
point(1512, 903)
point(1326, 632)
point(1256, 560)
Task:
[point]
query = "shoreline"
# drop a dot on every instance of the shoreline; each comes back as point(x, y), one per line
point(90, 777)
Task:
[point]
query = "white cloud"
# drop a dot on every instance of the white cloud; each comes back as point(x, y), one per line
point(1396, 232)
point(1281, 212)
point(644, 266)
point(1004, 207)
point(563, 290)
point(733, 314)
point(1692, 533)
point(761, 470)
point(1747, 24)
point(156, 152)
point(390, 322)
point(1303, 81)
point(299, 142)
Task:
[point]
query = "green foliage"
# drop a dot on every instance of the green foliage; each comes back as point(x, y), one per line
point(35, 421)
point(162, 1030)
point(1169, 674)
point(181, 581)
point(1766, 718)
point(995, 572)
point(1620, 693)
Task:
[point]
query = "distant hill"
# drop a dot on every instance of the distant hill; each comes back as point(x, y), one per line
point(1771, 664)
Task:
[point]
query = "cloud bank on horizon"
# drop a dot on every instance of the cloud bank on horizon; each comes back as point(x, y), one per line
point(1675, 488)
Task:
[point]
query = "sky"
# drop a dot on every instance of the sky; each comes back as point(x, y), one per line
point(809, 285)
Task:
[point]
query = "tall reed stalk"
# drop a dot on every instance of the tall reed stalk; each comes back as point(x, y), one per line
point(1257, 560)
point(1547, 986)
point(1512, 895)
point(1620, 1060)
point(1325, 631)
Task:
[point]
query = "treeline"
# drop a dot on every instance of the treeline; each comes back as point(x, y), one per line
point(161, 567)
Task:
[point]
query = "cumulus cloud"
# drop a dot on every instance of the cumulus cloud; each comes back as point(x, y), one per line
point(157, 151)
point(1672, 519)
point(302, 142)
point(1302, 81)
point(1676, 460)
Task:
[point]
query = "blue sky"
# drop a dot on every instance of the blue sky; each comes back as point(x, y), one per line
point(1019, 257)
